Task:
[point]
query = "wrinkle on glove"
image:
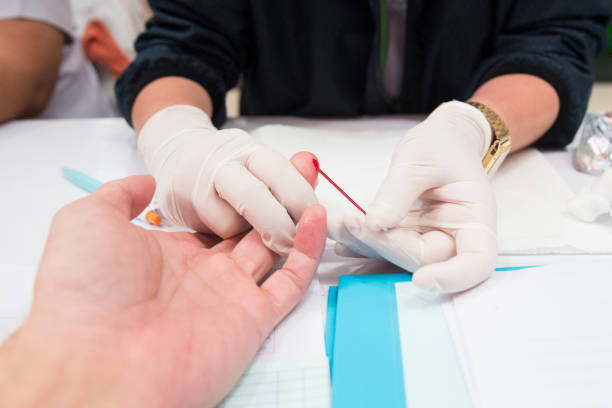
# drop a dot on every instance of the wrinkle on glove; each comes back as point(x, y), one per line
point(222, 181)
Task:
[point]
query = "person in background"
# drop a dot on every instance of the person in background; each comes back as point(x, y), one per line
point(43, 72)
point(485, 72)
point(126, 317)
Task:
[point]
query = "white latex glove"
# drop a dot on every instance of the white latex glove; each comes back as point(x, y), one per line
point(435, 212)
point(221, 181)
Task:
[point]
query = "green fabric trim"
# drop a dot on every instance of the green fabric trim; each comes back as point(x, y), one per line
point(384, 37)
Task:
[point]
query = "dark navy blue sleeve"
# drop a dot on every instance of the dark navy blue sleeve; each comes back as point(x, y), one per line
point(556, 40)
point(206, 41)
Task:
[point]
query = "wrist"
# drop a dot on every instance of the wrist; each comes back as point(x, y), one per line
point(37, 370)
point(163, 128)
point(500, 142)
point(466, 121)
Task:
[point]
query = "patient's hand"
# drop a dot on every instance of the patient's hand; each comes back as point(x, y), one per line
point(123, 316)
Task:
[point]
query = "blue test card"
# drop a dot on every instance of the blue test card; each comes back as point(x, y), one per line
point(367, 356)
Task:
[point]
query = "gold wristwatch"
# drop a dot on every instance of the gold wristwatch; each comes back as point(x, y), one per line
point(500, 147)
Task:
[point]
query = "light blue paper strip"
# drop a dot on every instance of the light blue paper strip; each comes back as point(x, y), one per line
point(330, 325)
point(82, 180)
point(367, 363)
point(432, 371)
point(516, 268)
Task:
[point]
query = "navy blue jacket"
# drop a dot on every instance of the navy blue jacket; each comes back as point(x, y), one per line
point(326, 57)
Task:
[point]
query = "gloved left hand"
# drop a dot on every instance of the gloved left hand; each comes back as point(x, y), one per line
point(435, 212)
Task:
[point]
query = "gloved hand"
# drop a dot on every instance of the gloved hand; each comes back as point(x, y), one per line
point(435, 212)
point(221, 181)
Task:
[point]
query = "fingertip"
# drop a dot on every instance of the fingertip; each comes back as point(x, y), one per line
point(315, 215)
point(381, 218)
point(426, 282)
point(142, 184)
point(130, 195)
point(303, 162)
point(353, 222)
point(451, 276)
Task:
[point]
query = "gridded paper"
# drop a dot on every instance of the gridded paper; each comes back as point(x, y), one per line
point(282, 385)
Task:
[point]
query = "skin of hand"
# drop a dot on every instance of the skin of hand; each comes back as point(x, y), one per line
point(124, 316)
point(30, 59)
point(528, 105)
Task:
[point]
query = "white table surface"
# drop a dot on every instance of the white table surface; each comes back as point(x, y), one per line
point(32, 188)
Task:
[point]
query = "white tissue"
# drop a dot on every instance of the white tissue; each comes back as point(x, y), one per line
point(588, 206)
point(603, 185)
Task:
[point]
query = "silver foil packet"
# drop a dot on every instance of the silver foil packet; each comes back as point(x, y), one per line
point(594, 151)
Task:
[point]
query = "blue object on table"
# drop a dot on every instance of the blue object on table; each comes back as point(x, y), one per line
point(367, 356)
point(330, 325)
point(516, 268)
point(81, 180)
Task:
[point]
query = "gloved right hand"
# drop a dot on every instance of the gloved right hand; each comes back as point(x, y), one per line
point(435, 212)
point(221, 181)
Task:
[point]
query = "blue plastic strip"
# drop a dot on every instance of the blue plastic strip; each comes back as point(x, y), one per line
point(367, 355)
point(81, 180)
point(330, 325)
point(516, 268)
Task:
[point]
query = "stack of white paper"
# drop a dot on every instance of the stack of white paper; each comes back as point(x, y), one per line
point(539, 337)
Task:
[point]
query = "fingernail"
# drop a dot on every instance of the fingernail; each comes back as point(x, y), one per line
point(375, 221)
point(431, 285)
point(435, 286)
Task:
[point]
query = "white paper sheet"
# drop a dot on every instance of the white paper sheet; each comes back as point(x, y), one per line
point(539, 337)
point(532, 216)
point(300, 336)
point(16, 289)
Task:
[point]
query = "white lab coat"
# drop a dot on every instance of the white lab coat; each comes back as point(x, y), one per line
point(77, 93)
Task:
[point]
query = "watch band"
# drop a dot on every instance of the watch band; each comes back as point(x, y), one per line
point(500, 147)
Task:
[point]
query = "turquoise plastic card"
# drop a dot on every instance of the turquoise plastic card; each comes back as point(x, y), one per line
point(367, 356)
